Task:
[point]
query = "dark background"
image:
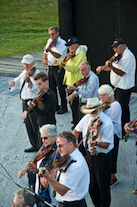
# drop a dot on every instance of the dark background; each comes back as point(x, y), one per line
point(97, 23)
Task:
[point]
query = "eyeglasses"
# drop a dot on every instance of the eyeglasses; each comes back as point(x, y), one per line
point(61, 145)
point(52, 34)
point(45, 138)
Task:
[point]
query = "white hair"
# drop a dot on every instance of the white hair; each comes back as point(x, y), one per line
point(106, 89)
point(50, 129)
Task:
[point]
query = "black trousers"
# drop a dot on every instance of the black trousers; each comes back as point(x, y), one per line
point(123, 97)
point(81, 203)
point(100, 173)
point(56, 80)
point(114, 154)
point(31, 126)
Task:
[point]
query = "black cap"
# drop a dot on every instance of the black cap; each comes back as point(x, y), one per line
point(118, 41)
point(72, 40)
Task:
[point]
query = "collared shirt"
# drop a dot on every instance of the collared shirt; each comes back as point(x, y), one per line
point(106, 131)
point(60, 48)
point(26, 93)
point(76, 178)
point(114, 112)
point(127, 64)
point(89, 89)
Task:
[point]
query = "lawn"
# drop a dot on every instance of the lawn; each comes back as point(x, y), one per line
point(24, 25)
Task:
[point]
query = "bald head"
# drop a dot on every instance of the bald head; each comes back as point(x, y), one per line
point(84, 68)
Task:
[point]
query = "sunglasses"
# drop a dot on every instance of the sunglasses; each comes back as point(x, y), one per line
point(45, 138)
point(61, 145)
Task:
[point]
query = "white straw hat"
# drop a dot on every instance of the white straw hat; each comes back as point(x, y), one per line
point(91, 105)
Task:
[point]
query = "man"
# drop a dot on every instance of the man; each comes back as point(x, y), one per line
point(48, 135)
point(72, 73)
point(72, 181)
point(88, 89)
point(28, 91)
point(131, 127)
point(97, 130)
point(122, 75)
point(51, 52)
point(46, 106)
point(23, 199)
point(114, 112)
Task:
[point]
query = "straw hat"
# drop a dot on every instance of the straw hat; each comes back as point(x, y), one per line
point(91, 105)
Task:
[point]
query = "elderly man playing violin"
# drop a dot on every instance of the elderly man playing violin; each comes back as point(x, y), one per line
point(84, 90)
point(114, 112)
point(28, 89)
point(98, 138)
point(55, 48)
point(48, 136)
point(122, 74)
point(72, 181)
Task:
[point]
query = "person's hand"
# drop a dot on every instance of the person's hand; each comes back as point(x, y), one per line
point(43, 172)
point(70, 97)
point(126, 127)
point(43, 181)
point(99, 69)
point(61, 64)
point(11, 83)
point(32, 166)
point(24, 115)
point(54, 62)
point(72, 88)
point(45, 62)
point(31, 104)
point(20, 173)
point(26, 78)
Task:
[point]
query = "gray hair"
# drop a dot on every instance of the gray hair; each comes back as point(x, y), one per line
point(106, 89)
point(56, 29)
point(50, 129)
point(25, 197)
point(69, 137)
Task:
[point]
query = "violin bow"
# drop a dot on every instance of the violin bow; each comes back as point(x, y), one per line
point(115, 87)
point(25, 73)
point(34, 194)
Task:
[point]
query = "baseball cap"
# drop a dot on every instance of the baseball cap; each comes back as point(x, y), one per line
point(27, 59)
point(72, 40)
point(117, 42)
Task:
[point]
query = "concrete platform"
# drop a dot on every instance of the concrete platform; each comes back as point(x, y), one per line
point(13, 141)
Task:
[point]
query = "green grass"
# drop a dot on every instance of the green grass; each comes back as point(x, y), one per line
point(24, 25)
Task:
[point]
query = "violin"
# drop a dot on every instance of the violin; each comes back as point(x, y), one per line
point(29, 72)
point(39, 155)
point(133, 124)
point(112, 59)
point(93, 130)
point(52, 44)
point(79, 83)
point(67, 57)
point(38, 97)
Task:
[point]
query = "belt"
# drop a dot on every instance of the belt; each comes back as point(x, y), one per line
point(53, 66)
point(71, 202)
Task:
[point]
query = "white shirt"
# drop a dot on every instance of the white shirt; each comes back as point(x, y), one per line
point(127, 64)
point(106, 131)
point(60, 48)
point(89, 89)
point(26, 93)
point(76, 178)
point(114, 112)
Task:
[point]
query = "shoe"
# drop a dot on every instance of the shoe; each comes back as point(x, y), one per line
point(62, 111)
point(134, 191)
point(57, 108)
point(32, 149)
point(113, 182)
